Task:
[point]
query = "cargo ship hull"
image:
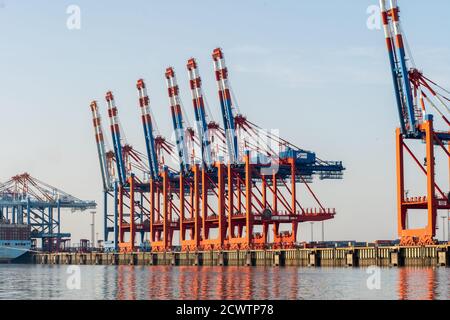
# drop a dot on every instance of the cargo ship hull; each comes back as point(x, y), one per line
point(11, 250)
point(14, 241)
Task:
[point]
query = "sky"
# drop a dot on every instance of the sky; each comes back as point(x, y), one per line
point(312, 69)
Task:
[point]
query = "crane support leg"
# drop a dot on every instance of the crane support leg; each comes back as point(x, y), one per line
point(431, 202)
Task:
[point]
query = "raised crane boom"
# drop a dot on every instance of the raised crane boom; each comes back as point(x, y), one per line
point(144, 103)
point(115, 132)
point(399, 69)
point(199, 108)
point(226, 105)
point(177, 119)
point(101, 149)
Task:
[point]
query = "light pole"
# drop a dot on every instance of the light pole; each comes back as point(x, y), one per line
point(323, 231)
point(448, 225)
point(443, 226)
point(93, 229)
point(407, 216)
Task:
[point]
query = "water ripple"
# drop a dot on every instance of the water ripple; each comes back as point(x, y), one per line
point(222, 283)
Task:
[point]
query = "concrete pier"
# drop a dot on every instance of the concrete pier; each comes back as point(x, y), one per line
point(341, 257)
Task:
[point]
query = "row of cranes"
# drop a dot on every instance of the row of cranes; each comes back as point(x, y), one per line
point(417, 98)
point(235, 186)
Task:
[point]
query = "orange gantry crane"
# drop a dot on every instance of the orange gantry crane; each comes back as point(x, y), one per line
point(417, 98)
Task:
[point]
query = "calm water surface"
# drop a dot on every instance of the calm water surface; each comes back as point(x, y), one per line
point(160, 282)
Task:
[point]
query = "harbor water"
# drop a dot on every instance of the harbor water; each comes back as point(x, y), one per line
point(166, 282)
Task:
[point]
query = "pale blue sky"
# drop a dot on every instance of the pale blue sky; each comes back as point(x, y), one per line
point(309, 68)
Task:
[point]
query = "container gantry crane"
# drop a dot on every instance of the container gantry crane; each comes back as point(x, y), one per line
point(417, 97)
point(130, 216)
point(25, 199)
point(255, 181)
point(215, 204)
point(129, 191)
point(163, 183)
point(107, 164)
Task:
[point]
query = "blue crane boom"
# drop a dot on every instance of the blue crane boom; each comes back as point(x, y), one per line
point(199, 109)
point(144, 103)
point(226, 106)
point(399, 69)
point(115, 132)
point(101, 149)
point(177, 119)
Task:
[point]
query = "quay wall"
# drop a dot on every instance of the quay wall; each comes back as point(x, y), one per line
point(330, 257)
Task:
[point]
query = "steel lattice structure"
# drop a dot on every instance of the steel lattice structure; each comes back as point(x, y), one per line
point(24, 199)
